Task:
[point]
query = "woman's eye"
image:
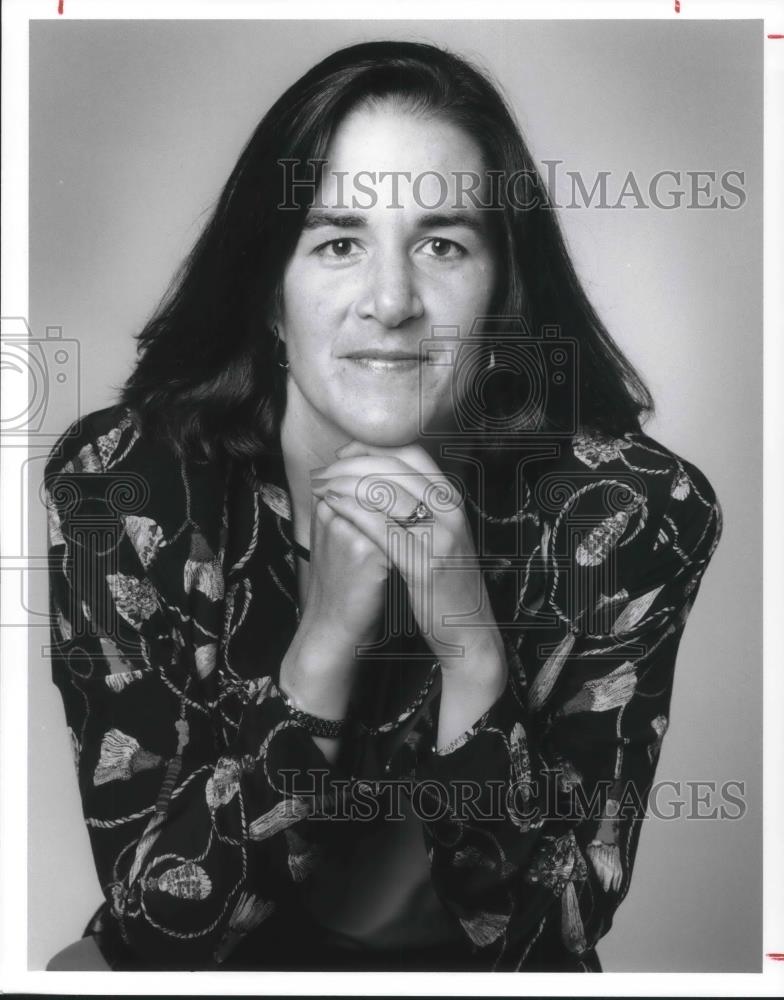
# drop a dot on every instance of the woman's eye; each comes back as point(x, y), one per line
point(445, 249)
point(336, 249)
point(346, 248)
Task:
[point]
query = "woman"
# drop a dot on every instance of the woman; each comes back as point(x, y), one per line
point(367, 593)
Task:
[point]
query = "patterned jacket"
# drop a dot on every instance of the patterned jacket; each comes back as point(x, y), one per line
point(173, 599)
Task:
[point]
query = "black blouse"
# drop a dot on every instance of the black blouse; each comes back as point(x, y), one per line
point(210, 810)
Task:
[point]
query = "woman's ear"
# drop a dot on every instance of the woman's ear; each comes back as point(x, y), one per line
point(275, 312)
point(275, 327)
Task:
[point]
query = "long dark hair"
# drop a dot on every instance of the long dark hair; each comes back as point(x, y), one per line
point(206, 377)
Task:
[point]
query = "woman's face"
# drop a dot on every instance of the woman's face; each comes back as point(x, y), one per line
point(375, 271)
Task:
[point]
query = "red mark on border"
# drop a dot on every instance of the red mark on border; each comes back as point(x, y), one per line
point(775, 36)
point(777, 956)
point(60, 6)
point(677, 6)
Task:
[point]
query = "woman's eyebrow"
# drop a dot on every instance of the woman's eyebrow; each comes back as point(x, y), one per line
point(444, 220)
point(316, 220)
point(430, 220)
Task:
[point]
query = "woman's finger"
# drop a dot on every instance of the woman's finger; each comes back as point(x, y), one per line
point(411, 454)
point(381, 497)
point(359, 465)
point(377, 528)
point(409, 548)
point(441, 493)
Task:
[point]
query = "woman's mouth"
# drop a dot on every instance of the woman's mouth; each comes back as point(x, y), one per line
point(383, 367)
point(385, 362)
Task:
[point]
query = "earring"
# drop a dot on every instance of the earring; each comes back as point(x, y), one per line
point(277, 346)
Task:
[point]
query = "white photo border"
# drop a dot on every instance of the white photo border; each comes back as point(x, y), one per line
point(16, 16)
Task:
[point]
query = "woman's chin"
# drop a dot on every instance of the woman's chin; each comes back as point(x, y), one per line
point(384, 433)
point(394, 428)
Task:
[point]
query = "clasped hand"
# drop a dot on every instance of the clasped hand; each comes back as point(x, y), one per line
point(376, 490)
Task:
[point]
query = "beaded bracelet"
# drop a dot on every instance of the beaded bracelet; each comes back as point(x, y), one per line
point(314, 724)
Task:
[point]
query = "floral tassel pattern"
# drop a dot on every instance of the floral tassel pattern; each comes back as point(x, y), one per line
point(136, 599)
point(604, 693)
point(604, 852)
point(187, 881)
point(303, 856)
point(249, 912)
point(281, 816)
point(203, 570)
point(634, 611)
point(122, 757)
point(606, 859)
point(224, 783)
point(545, 680)
point(572, 930)
point(146, 536)
point(485, 928)
point(596, 545)
point(659, 726)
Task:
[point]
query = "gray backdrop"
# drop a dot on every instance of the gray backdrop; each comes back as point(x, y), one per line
point(134, 128)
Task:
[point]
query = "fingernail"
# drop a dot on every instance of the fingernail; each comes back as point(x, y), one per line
point(318, 484)
point(316, 472)
point(331, 495)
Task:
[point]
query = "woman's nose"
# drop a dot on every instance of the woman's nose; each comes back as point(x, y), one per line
point(390, 295)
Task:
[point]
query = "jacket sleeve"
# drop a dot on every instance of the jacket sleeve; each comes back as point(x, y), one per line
point(537, 809)
point(196, 840)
